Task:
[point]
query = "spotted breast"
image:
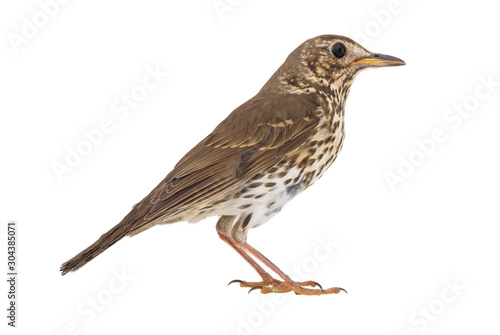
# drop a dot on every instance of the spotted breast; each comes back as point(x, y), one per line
point(255, 202)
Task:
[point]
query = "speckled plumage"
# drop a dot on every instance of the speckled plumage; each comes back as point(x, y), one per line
point(263, 196)
point(262, 155)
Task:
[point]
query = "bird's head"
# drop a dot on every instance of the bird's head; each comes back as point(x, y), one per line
point(326, 63)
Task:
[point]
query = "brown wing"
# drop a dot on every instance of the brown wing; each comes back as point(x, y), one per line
point(257, 135)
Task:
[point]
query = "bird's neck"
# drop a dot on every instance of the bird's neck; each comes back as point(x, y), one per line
point(332, 92)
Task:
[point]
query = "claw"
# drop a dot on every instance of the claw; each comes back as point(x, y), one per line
point(255, 288)
point(317, 284)
point(235, 281)
point(340, 288)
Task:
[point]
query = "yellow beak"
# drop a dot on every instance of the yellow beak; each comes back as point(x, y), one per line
point(379, 60)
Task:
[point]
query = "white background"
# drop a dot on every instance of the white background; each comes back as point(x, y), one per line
point(397, 250)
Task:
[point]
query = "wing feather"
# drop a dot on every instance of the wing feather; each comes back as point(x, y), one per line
point(253, 138)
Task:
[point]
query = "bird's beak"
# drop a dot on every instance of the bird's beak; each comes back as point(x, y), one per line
point(379, 60)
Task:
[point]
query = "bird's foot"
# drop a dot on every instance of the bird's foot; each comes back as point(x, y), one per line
point(271, 285)
point(298, 288)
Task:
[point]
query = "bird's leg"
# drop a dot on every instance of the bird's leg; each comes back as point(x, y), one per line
point(267, 279)
point(268, 283)
point(288, 284)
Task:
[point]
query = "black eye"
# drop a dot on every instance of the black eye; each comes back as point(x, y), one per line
point(338, 50)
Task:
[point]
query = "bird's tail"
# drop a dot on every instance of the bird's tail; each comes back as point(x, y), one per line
point(104, 242)
point(133, 223)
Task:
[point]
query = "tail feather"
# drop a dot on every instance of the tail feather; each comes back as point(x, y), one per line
point(104, 242)
point(126, 227)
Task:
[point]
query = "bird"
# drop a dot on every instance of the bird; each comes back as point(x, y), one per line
point(267, 151)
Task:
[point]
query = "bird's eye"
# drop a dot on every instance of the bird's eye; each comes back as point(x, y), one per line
point(338, 50)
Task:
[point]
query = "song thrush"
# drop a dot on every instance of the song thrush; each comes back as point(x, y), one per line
point(264, 153)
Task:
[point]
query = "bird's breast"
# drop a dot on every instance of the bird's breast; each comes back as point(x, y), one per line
point(265, 195)
point(321, 150)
